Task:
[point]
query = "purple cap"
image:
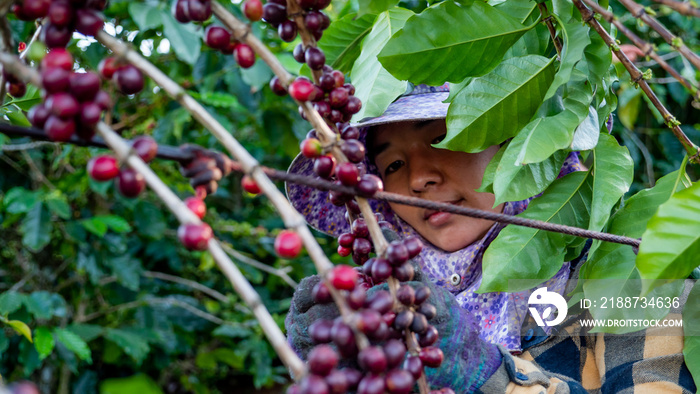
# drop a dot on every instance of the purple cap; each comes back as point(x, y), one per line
point(421, 103)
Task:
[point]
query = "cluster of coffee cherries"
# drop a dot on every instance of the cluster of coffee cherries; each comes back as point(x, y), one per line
point(275, 13)
point(127, 78)
point(192, 10)
point(219, 38)
point(130, 183)
point(73, 102)
point(395, 262)
point(196, 236)
point(64, 17)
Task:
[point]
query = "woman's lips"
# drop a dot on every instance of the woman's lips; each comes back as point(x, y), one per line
point(438, 218)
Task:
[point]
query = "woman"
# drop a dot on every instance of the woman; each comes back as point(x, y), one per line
point(489, 341)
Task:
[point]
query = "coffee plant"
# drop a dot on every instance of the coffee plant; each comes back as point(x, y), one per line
point(97, 294)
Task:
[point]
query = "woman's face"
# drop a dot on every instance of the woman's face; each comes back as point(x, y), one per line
point(410, 166)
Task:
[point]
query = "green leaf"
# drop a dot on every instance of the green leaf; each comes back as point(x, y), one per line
point(613, 170)
point(574, 43)
point(95, 226)
point(139, 383)
point(115, 223)
point(149, 220)
point(374, 85)
point(127, 269)
point(146, 16)
point(374, 6)
point(515, 182)
point(494, 107)
point(217, 99)
point(20, 200)
point(586, 134)
point(342, 41)
point(449, 42)
point(490, 172)
point(691, 337)
point(58, 204)
point(184, 38)
point(44, 342)
point(87, 332)
point(74, 343)
point(518, 9)
point(21, 328)
point(25, 103)
point(671, 242)
point(10, 301)
point(598, 58)
point(546, 135)
point(134, 345)
point(39, 304)
point(532, 256)
point(36, 228)
point(209, 360)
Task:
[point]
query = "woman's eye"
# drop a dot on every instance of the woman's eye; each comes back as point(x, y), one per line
point(438, 139)
point(393, 167)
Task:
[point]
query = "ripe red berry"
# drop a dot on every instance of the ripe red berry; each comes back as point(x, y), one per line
point(253, 10)
point(413, 246)
point(320, 293)
point(88, 22)
point(56, 36)
point(195, 236)
point(84, 86)
point(343, 277)
point(63, 105)
point(217, 37)
point(107, 67)
point(322, 359)
point(274, 13)
point(35, 9)
point(103, 100)
point(338, 97)
point(90, 113)
point(414, 365)
point(337, 382)
point(287, 30)
point(130, 183)
point(431, 356)
point(372, 359)
point(146, 147)
point(277, 87)
point(399, 381)
point(249, 185)
point(57, 57)
point(60, 13)
point(315, 58)
point(55, 79)
point(16, 89)
point(197, 206)
point(301, 90)
point(288, 244)
point(128, 79)
point(311, 148)
point(354, 150)
point(244, 55)
point(38, 115)
point(181, 11)
point(103, 168)
point(369, 184)
point(324, 166)
point(320, 331)
point(353, 106)
point(58, 129)
point(348, 174)
point(199, 10)
point(344, 252)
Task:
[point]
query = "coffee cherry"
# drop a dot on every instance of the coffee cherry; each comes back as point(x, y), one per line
point(343, 277)
point(320, 331)
point(350, 133)
point(404, 272)
point(414, 365)
point(369, 321)
point(359, 228)
point(420, 324)
point(356, 298)
point(90, 113)
point(253, 10)
point(287, 30)
point(244, 55)
point(60, 13)
point(313, 384)
point(311, 148)
point(57, 58)
point(274, 14)
point(306, 4)
point(413, 246)
point(56, 36)
point(431, 356)
point(35, 9)
point(348, 174)
point(298, 53)
point(406, 295)
point(103, 168)
point(399, 381)
point(372, 359)
point(38, 115)
point(84, 86)
point(354, 150)
point(429, 337)
point(276, 86)
point(146, 147)
point(320, 293)
point(217, 37)
point(371, 384)
point(395, 352)
point(249, 185)
point(339, 78)
point(367, 267)
point(55, 79)
point(313, 20)
point(88, 22)
point(128, 79)
point(314, 58)
point(404, 319)
point(338, 97)
point(323, 108)
point(324, 166)
point(353, 106)
point(346, 240)
point(354, 376)
point(130, 183)
point(362, 246)
point(181, 11)
point(422, 294)
point(16, 89)
point(63, 105)
point(199, 10)
point(428, 310)
point(397, 253)
point(301, 90)
point(322, 359)
point(381, 301)
point(103, 100)
point(326, 82)
point(350, 87)
point(58, 129)
point(195, 236)
point(197, 206)
point(369, 185)
point(85, 131)
point(342, 335)
point(288, 244)
point(337, 382)
point(338, 199)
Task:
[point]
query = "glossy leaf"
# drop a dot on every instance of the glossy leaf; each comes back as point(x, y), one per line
point(74, 343)
point(10, 301)
point(139, 383)
point(671, 242)
point(494, 107)
point(374, 6)
point(373, 84)
point(532, 256)
point(613, 170)
point(184, 39)
point(490, 172)
point(145, 15)
point(21, 328)
point(586, 134)
point(342, 41)
point(574, 43)
point(691, 340)
point(134, 345)
point(449, 42)
point(44, 342)
point(36, 228)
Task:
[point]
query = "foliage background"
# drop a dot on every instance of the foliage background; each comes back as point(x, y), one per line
point(74, 254)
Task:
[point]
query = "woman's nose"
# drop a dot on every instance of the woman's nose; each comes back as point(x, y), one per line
point(423, 175)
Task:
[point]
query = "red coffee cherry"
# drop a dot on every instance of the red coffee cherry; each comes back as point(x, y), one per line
point(343, 277)
point(249, 185)
point(103, 168)
point(197, 206)
point(56, 36)
point(35, 9)
point(90, 113)
point(324, 166)
point(301, 90)
point(57, 57)
point(217, 37)
point(287, 30)
point(195, 236)
point(199, 10)
point(288, 244)
point(315, 58)
point(38, 115)
point(103, 100)
point(372, 359)
point(431, 356)
point(322, 359)
point(244, 55)
point(84, 86)
point(63, 105)
point(274, 13)
point(107, 67)
point(60, 13)
point(128, 79)
point(88, 22)
point(16, 89)
point(55, 79)
point(181, 11)
point(348, 174)
point(399, 381)
point(277, 87)
point(58, 129)
point(253, 10)
point(130, 183)
point(311, 148)
point(146, 147)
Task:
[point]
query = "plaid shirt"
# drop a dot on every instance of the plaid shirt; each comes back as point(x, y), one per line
point(574, 361)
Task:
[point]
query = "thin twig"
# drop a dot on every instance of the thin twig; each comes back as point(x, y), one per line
point(155, 301)
point(36, 173)
point(262, 267)
point(639, 12)
point(27, 146)
point(637, 77)
point(186, 282)
point(35, 37)
point(547, 18)
point(682, 7)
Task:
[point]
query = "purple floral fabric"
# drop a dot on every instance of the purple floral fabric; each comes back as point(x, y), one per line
point(499, 315)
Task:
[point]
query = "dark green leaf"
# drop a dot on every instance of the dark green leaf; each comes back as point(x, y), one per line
point(36, 228)
point(149, 219)
point(374, 85)
point(74, 343)
point(10, 301)
point(184, 39)
point(58, 204)
point(494, 107)
point(574, 43)
point(145, 15)
point(20, 200)
point(87, 332)
point(25, 103)
point(342, 40)
point(691, 322)
point(95, 225)
point(39, 304)
point(87, 262)
point(375, 6)
point(490, 172)
point(127, 269)
point(134, 345)
point(449, 42)
point(613, 170)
